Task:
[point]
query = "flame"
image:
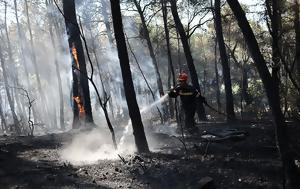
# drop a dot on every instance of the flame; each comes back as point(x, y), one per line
point(74, 53)
point(80, 106)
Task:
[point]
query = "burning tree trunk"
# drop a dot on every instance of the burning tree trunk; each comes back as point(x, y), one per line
point(189, 58)
point(272, 91)
point(224, 61)
point(60, 92)
point(9, 97)
point(81, 93)
point(134, 112)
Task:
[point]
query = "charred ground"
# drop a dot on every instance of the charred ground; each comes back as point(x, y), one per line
point(250, 162)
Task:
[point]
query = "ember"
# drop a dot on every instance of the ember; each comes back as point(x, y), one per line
point(74, 53)
point(80, 106)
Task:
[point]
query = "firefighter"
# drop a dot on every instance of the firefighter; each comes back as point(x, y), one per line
point(188, 96)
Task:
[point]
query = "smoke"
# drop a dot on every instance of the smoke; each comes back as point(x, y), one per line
point(88, 146)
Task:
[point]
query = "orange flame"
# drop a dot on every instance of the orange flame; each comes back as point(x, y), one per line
point(74, 53)
point(80, 106)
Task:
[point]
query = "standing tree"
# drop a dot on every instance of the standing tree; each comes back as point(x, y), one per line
point(270, 83)
point(81, 92)
point(21, 38)
point(34, 61)
point(146, 35)
point(134, 112)
point(188, 55)
point(57, 69)
point(9, 97)
point(297, 36)
point(224, 61)
point(170, 66)
point(3, 121)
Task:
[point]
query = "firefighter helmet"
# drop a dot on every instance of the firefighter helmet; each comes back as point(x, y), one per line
point(182, 77)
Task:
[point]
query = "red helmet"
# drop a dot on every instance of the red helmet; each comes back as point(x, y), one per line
point(182, 77)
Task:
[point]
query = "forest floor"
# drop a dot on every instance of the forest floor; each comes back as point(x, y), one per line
point(250, 161)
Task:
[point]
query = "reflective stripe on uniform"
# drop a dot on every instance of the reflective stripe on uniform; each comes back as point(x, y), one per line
point(186, 93)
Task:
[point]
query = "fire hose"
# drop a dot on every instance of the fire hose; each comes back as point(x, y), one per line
point(203, 100)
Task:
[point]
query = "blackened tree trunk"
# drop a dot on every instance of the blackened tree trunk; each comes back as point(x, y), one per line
point(290, 169)
point(60, 91)
point(189, 58)
point(80, 81)
point(297, 34)
point(145, 32)
point(104, 10)
point(297, 53)
point(218, 93)
point(170, 66)
point(134, 112)
point(3, 121)
point(8, 94)
point(224, 61)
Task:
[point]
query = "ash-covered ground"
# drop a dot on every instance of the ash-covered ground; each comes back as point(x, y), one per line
point(247, 160)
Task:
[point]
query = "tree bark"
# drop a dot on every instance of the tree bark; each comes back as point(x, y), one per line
point(297, 50)
point(218, 93)
point(170, 61)
point(297, 34)
point(3, 121)
point(224, 61)
point(290, 169)
point(80, 81)
point(134, 112)
point(189, 58)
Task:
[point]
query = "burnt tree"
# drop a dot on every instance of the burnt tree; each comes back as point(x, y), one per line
point(57, 69)
point(270, 83)
point(2, 116)
point(146, 35)
point(81, 92)
point(189, 58)
point(134, 112)
point(224, 62)
point(297, 35)
point(170, 66)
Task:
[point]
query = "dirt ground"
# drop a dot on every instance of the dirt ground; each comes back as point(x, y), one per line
point(248, 162)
